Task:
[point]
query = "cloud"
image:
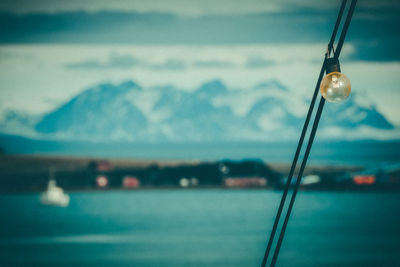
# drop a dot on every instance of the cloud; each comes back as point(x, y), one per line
point(115, 60)
point(184, 7)
point(88, 64)
point(290, 23)
point(126, 61)
point(6, 55)
point(375, 50)
point(169, 64)
point(213, 64)
point(258, 62)
point(361, 132)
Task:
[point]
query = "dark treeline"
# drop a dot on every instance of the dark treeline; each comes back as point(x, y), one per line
point(153, 175)
point(32, 173)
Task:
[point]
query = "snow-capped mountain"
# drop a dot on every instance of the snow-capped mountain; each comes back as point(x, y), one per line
point(350, 114)
point(105, 111)
point(19, 123)
point(213, 112)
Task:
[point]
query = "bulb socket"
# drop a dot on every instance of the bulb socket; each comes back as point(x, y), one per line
point(332, 65)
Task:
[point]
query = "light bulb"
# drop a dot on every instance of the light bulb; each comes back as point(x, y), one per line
point(335, 87)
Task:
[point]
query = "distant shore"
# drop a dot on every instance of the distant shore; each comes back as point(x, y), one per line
point(30, 173)
point(64, 163)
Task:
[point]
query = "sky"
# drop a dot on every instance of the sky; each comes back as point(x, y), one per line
point(52, 50)
point(182, 7)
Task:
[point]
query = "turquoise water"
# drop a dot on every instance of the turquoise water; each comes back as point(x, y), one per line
point(199, 228)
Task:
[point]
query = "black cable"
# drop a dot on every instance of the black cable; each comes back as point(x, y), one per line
point(303, 165)
point(311, 138)
point(293, 167)
point(335, 29)
point(345, 28)
point(303, 133)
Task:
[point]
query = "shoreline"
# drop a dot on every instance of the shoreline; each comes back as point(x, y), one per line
point(79, 161)
point(30, 173)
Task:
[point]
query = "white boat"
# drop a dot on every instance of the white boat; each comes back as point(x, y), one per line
point(54, 195)
point(311, 180)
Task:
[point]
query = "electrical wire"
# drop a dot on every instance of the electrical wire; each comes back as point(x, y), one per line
point(311, 138)
point(302, 136)
point(303, 165)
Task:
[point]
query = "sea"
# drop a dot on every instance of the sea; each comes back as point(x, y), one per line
point(367, 153)
point(193, 227)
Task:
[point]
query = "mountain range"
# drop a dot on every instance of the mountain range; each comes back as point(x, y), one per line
point(213, 112)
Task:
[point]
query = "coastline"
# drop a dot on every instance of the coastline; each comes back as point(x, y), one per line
point(29, 173)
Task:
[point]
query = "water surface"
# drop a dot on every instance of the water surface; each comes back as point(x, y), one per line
point(199, 228)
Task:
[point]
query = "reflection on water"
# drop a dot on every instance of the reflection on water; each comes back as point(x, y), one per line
point(199, 228)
